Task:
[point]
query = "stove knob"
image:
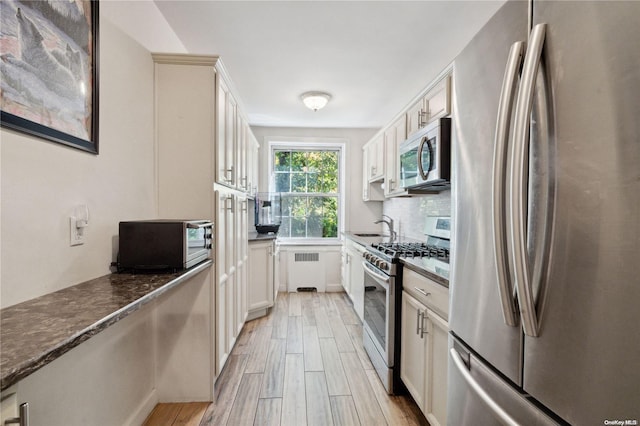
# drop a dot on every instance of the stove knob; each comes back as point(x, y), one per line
point(381, 264)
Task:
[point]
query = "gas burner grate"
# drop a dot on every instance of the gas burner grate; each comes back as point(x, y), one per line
point(413, 250)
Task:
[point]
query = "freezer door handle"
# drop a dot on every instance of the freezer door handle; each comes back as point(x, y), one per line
point(497, 410)
point(503, 125)
point(518, 179)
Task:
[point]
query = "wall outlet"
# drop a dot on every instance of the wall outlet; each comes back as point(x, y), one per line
point(76, 233)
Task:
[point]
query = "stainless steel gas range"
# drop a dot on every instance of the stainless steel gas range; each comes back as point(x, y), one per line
point(383, 294)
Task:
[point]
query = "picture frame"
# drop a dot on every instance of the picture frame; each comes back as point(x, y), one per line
point(49, 65)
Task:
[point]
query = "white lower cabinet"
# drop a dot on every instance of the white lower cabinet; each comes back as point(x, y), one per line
point(424, 358)
point(262, 283)
point(438, 330)
point(413, 350)
point(353, 275)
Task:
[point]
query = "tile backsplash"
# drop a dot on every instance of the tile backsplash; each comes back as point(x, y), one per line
point(410, 212)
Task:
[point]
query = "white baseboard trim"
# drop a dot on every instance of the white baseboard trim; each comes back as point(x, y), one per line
point(330, 288)
point(334, 288)
point(144, 409)
point(258, 313)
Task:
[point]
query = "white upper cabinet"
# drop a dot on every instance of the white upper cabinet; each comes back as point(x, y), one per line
point(371, 191)
point(375, 158)
point(234, 137)
point(416, 116)
point(226, 131)
point(434, 104)
point(393, 137)
point(252, 163)
point(185, 139)
point(439, 99)
point(381, 155)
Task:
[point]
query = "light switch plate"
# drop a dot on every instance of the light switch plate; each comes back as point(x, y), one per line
point(76, 235)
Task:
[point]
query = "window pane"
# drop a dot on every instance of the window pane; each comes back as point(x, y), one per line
point(282, 161)
point(314, 161)
point(316, 206)
point(313, 182)
point(330, 225)
point(298, 227)
point(298, 182)
point(284, 230)
point(329, 183)
point(298, 207)
point(282, 182)
point(315, 226)
point(329, 173)
point(298, 161)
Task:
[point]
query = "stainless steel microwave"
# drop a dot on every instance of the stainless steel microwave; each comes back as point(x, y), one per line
point(157, 245)
point(425, 158)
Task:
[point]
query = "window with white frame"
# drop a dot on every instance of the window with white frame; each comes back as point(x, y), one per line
point(309, 177)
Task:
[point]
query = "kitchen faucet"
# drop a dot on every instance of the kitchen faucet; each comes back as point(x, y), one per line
point(389, 223)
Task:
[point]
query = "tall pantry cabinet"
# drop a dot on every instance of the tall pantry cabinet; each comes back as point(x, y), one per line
point(202, 171)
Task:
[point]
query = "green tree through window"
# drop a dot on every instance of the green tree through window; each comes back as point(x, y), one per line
point(309, 183)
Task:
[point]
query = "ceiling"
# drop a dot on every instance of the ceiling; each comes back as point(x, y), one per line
point(372, 57)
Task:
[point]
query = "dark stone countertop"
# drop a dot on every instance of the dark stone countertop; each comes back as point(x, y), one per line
point(36, 332)
point(419, 265)
point(255, 236)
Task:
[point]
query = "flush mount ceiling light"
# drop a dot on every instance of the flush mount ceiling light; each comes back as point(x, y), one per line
point(315, 100)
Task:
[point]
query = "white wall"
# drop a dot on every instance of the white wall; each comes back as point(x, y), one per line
point(359, 216)
point(43, 181)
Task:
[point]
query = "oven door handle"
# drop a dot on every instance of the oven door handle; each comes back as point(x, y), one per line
point(380, 277)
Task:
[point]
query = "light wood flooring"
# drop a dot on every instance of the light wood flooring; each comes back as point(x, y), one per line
point(304, 364)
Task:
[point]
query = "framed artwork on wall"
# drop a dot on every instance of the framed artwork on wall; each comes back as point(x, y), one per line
point(49, 70)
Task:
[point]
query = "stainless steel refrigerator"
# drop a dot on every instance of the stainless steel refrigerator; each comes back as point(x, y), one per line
point(545, 284)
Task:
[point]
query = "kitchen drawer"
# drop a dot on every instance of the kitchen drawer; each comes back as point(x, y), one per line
point(437, 296)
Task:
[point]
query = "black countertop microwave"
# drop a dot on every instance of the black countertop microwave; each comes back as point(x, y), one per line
point(163, 244)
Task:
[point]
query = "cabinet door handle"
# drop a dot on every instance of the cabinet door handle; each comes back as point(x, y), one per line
point(418, 321)
point(423, 116)
point(421, 291)
point(422, 329)
point(230, 205)
point(232, 178)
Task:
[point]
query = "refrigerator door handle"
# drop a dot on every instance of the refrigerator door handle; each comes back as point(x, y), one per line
point(518, 181)
point(497, 410)
point(503, 125)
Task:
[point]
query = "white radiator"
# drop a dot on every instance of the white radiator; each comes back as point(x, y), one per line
point(306, 269)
